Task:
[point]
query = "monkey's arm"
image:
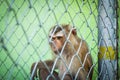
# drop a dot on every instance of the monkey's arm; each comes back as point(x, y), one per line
point(90, 63)
point(39, 66)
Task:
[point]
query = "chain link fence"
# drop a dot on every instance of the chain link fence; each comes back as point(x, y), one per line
point(24, 27)
point(118, 36)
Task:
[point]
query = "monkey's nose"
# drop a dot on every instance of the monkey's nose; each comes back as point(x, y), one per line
point(51, 42)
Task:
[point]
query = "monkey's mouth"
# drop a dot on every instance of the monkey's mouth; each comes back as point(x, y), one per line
point(55, 50)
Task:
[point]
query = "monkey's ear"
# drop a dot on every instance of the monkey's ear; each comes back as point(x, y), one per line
point(74, 32)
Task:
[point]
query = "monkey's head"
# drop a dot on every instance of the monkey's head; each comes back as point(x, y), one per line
point(58, 35)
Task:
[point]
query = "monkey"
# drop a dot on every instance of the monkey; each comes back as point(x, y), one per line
point(72, 57)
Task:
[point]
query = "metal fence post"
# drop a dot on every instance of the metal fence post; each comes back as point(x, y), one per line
point(107, 63)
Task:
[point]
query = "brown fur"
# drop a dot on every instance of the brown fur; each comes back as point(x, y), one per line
point(71, 57)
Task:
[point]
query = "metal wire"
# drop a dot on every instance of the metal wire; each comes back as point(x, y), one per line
point(24, 28)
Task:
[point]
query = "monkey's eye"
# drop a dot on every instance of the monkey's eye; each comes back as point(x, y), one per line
point(59, 37)
point(53, 38)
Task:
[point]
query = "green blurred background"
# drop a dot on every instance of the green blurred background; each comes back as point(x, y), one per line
point(24, 26)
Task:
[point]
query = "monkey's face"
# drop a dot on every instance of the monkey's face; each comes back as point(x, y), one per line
point(57, 41)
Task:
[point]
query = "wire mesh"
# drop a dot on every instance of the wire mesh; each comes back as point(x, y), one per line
point(118, 36)
point(24, 28)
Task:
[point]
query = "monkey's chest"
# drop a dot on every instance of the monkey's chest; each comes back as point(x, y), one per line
point(64, 65)
point(62, 68)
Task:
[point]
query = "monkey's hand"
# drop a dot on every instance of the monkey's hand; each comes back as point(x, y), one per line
point(67, 77)
point(44, 74)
